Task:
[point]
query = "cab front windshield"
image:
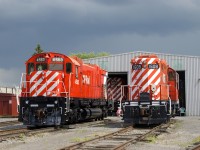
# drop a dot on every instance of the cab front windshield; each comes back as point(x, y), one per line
point(43, 66)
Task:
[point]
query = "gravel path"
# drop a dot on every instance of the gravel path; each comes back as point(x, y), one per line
point(177, 137)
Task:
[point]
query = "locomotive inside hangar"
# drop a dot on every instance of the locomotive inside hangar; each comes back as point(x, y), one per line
point(118, 66)
point(114, 82)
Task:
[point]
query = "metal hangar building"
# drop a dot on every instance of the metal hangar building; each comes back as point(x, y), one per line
point(188, 68)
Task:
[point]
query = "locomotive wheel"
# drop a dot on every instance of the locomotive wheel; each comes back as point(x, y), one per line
point(102, 116)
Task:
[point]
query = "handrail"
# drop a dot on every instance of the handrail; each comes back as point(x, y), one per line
point(139, 89)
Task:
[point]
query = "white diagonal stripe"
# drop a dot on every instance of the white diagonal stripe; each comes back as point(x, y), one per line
point(34, 87)
point(141, 71)
point(133, 72)
point(35, 76)
point(140, 82)
point(157, 91)
point(39, 81)
point(49, 81)
point(151, 79)
point(117, 94)
point(52, 87)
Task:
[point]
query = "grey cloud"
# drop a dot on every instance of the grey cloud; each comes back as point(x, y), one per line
point(85, 25)
point(106, 17)
point(114, 26)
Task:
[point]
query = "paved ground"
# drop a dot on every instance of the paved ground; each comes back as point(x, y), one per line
point(178, 137)
point(7, 119)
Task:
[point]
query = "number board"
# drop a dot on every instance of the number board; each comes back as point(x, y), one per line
point(40, 59)
point(136, 66)
point(57, 59)
point(153, 66)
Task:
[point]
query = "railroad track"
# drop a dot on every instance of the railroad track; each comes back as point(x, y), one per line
point(194, 147)
point(119, 139)
point(9, 123)
point(17, 133)
point(24, 131)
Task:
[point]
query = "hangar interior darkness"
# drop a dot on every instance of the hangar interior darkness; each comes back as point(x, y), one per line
point(123, 75)
point(182, 100)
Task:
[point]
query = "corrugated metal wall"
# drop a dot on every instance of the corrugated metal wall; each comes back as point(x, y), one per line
point(189, 64)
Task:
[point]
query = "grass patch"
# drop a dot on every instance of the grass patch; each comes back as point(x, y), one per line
point(78, 139)
point(21, 137)
point(151, 138)
point(196, 140)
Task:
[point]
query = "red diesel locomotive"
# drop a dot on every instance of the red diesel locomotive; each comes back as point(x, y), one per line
point(153, 91)
point(58, 89)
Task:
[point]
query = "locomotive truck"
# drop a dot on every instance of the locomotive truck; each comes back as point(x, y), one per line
point(58, 90)
point(153, 97)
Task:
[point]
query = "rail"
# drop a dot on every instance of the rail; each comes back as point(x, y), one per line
point(118, 140)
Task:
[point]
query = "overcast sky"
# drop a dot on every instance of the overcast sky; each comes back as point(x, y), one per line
point(113, 26)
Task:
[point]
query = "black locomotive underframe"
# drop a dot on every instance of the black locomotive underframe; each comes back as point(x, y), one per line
point(146, 112)
point(40, 111)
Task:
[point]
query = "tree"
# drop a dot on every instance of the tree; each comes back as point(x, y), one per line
point(89, 55)
point(38, 49)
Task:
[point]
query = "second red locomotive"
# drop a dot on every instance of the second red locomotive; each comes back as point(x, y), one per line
point(57, 89)
point(153, 91)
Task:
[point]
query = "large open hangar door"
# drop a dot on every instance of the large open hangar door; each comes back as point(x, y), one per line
point(114, 82)
point(182, 100)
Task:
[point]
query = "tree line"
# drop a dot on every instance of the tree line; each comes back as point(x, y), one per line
point(82, 55)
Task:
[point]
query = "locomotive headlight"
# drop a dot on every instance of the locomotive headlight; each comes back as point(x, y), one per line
point(26, 101)
point(56, 102)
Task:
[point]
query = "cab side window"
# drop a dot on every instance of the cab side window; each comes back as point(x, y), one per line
point(171, 76)
point(30, 67)
point(68, 67)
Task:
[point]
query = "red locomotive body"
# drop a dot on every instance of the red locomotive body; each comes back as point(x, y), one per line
point(57, 89)
point(173, 82)
point(153, 90)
